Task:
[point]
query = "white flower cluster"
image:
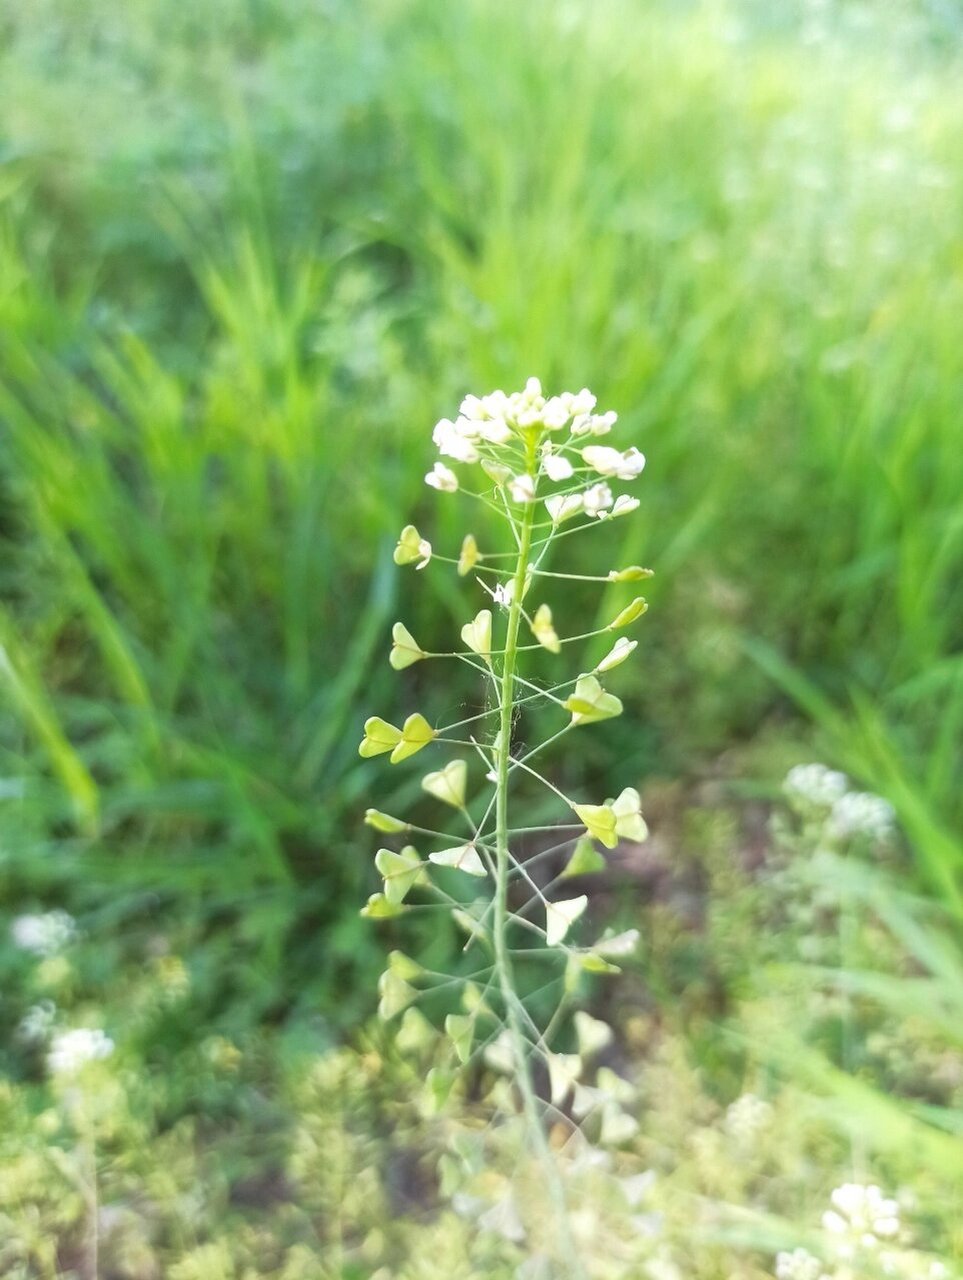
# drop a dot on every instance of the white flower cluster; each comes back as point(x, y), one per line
point(799, 1264)
point(37, 1023)
point(814, 789)
point(498, 418)
point(864, 1236)
point(44, 934)
point(72, 1050)
point(747, 1117)
point(861, 1217)
point(489, 428)
point(813, 785)
point(858, 813)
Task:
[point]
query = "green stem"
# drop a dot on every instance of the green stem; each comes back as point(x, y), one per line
point(503, 960)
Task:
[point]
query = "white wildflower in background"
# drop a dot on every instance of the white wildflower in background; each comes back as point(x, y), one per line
point(863, 1238)
point(814, 786)
point(72, 1050)
point(747, 1117)
point(858, 813)
point(848, 814)
point(800, 1264)
point(861, 1217)
point(44, 934)
point(37, 1023)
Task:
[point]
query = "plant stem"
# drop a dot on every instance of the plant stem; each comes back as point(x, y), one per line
point(503, 961)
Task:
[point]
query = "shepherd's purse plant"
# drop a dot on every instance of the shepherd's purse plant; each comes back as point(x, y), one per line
point(538, 465)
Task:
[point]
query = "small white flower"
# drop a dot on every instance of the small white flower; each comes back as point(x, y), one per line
point(633, 464)
point(610, 462)
point(597, 499)
point(441, 478)
point(562, 507)
point(799, 1265)
point(556, 467)
point(480, 409)
point(37, 1023)
point(556, 414)
point(581, 402)
point(44, 934)
point(858, 813)
point(862, 1214)
point(454, 439)
point(815, 786)
point(597, 424)
point(495, 430)
point(747, 1117)
point(473, 408)
point(522, 488)
point(72, 1050)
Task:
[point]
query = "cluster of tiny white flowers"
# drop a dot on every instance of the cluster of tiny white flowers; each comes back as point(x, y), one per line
point(44, 934)
point(861, 1217)
point(72, 1050)
point(37, 1023)
point(859, 813)
point(812, 788)
point(498, 418)
point(487, 423)
point(799, 1264)
point(747, 1117)
point(863, 1234)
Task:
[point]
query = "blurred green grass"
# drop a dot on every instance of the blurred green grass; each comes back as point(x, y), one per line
point(250, 252)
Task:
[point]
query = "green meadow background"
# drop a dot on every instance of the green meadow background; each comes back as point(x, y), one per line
point(250, 252)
